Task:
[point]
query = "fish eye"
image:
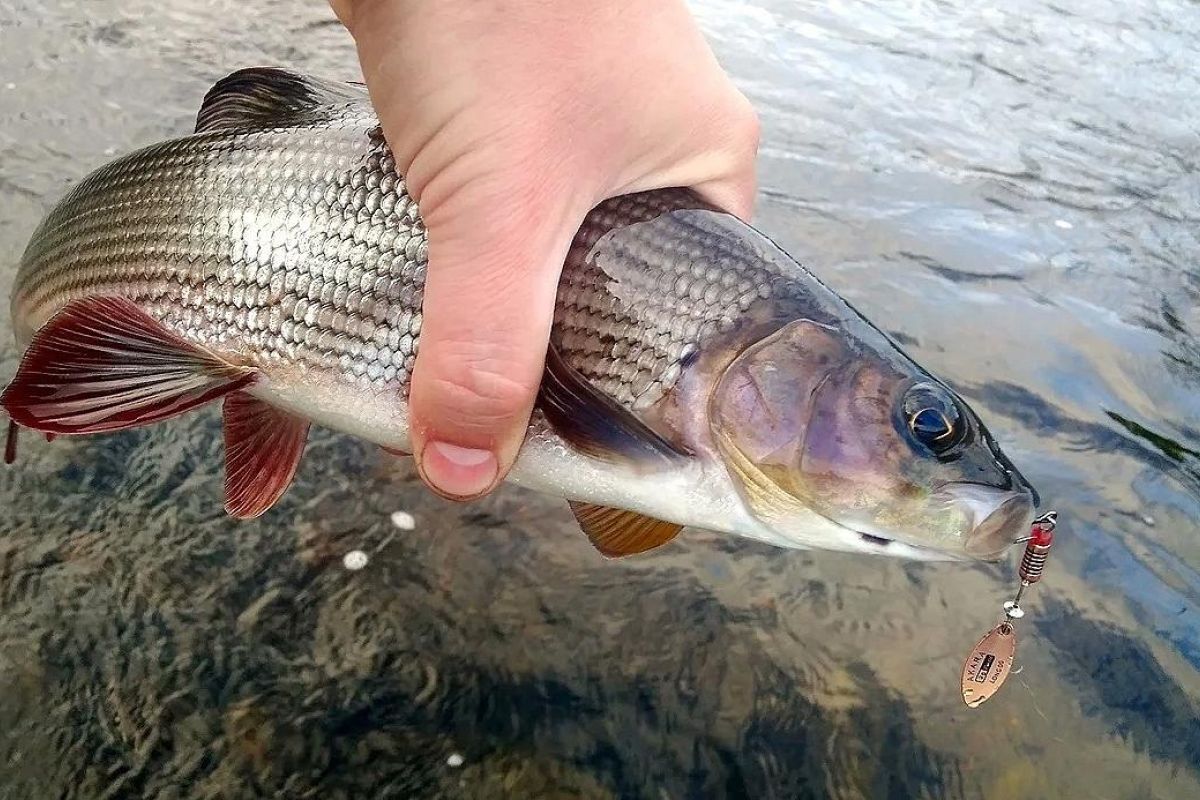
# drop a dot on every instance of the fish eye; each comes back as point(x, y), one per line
point(933, 418)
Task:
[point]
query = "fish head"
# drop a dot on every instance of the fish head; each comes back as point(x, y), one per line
point(813, 420)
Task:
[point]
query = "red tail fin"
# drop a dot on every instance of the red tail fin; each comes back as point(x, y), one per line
point(103, 364)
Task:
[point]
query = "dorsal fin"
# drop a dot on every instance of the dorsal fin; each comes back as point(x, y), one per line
point(269, 97)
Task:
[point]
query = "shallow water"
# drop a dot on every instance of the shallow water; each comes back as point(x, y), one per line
point(1014, 194)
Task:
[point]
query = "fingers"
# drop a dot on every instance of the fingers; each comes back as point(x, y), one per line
point(735, 183)
point(343, 10)
point(509, 121)
point(496, 249)
point(734, 194)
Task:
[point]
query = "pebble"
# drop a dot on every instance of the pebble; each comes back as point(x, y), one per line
point(403, 520)
point(454, 760)
point(355, 560)
point(1062, 223)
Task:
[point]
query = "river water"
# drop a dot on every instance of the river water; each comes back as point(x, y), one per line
point(1013, 193)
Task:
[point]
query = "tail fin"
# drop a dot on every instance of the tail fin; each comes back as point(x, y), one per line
point(103, 364)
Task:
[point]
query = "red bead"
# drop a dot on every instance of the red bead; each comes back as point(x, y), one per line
point(1042, 537)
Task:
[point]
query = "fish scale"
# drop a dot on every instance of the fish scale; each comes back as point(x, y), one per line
point(634, 306)
point(302, 246)
point(697, 375)
point(203, 232)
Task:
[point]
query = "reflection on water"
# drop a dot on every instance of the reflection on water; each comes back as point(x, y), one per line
point(1013, 193)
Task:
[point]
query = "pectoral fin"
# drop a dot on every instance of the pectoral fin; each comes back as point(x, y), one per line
point(103, 364)
point(597, 425)
point(616, 533)
point(263, 447)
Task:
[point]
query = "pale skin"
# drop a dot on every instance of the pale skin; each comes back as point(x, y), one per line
point(511, 119)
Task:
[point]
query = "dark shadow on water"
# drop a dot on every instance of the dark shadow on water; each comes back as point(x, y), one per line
point(1136, 441)
point(385, 737)
point(311, 686)
point(1164, 444)
point(956, 275)
point(1120, 681)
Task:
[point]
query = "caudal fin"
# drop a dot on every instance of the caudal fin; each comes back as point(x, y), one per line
point(103, 364)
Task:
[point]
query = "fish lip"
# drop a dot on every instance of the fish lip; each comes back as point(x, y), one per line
point(1017, 480)
point(988, 540)
point(992, 511)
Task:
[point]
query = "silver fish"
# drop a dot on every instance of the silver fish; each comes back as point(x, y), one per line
point(696, 375)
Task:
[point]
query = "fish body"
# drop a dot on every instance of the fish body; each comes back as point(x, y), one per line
point(697, 375)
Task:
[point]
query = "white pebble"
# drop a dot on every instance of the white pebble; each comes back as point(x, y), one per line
point(10, 86)
point(355, 560)
point(404, 520)
point(1062, 223)
point(454, 760)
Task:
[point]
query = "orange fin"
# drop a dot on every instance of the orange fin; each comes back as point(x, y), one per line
point(263, 446)
point(617, 533)
point(103, 364)
point(10, 442)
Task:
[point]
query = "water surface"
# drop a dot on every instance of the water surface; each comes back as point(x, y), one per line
point(1013, 193)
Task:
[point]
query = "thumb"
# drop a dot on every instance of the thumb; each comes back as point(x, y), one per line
point(496, 249)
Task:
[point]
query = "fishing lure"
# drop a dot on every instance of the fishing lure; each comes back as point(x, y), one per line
point(991, 662)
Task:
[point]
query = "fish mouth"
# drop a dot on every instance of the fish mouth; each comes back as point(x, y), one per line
point(998, 517)
point(999, 529)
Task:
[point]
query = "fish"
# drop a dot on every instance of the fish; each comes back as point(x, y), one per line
point(696, 375)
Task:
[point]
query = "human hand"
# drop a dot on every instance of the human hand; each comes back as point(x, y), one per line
point(510, 120)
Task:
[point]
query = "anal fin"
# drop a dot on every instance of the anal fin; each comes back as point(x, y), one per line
point(616, 533)
point(263, 447)
point(103, 364)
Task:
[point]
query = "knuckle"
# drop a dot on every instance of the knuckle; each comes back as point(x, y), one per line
point(479, 387)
